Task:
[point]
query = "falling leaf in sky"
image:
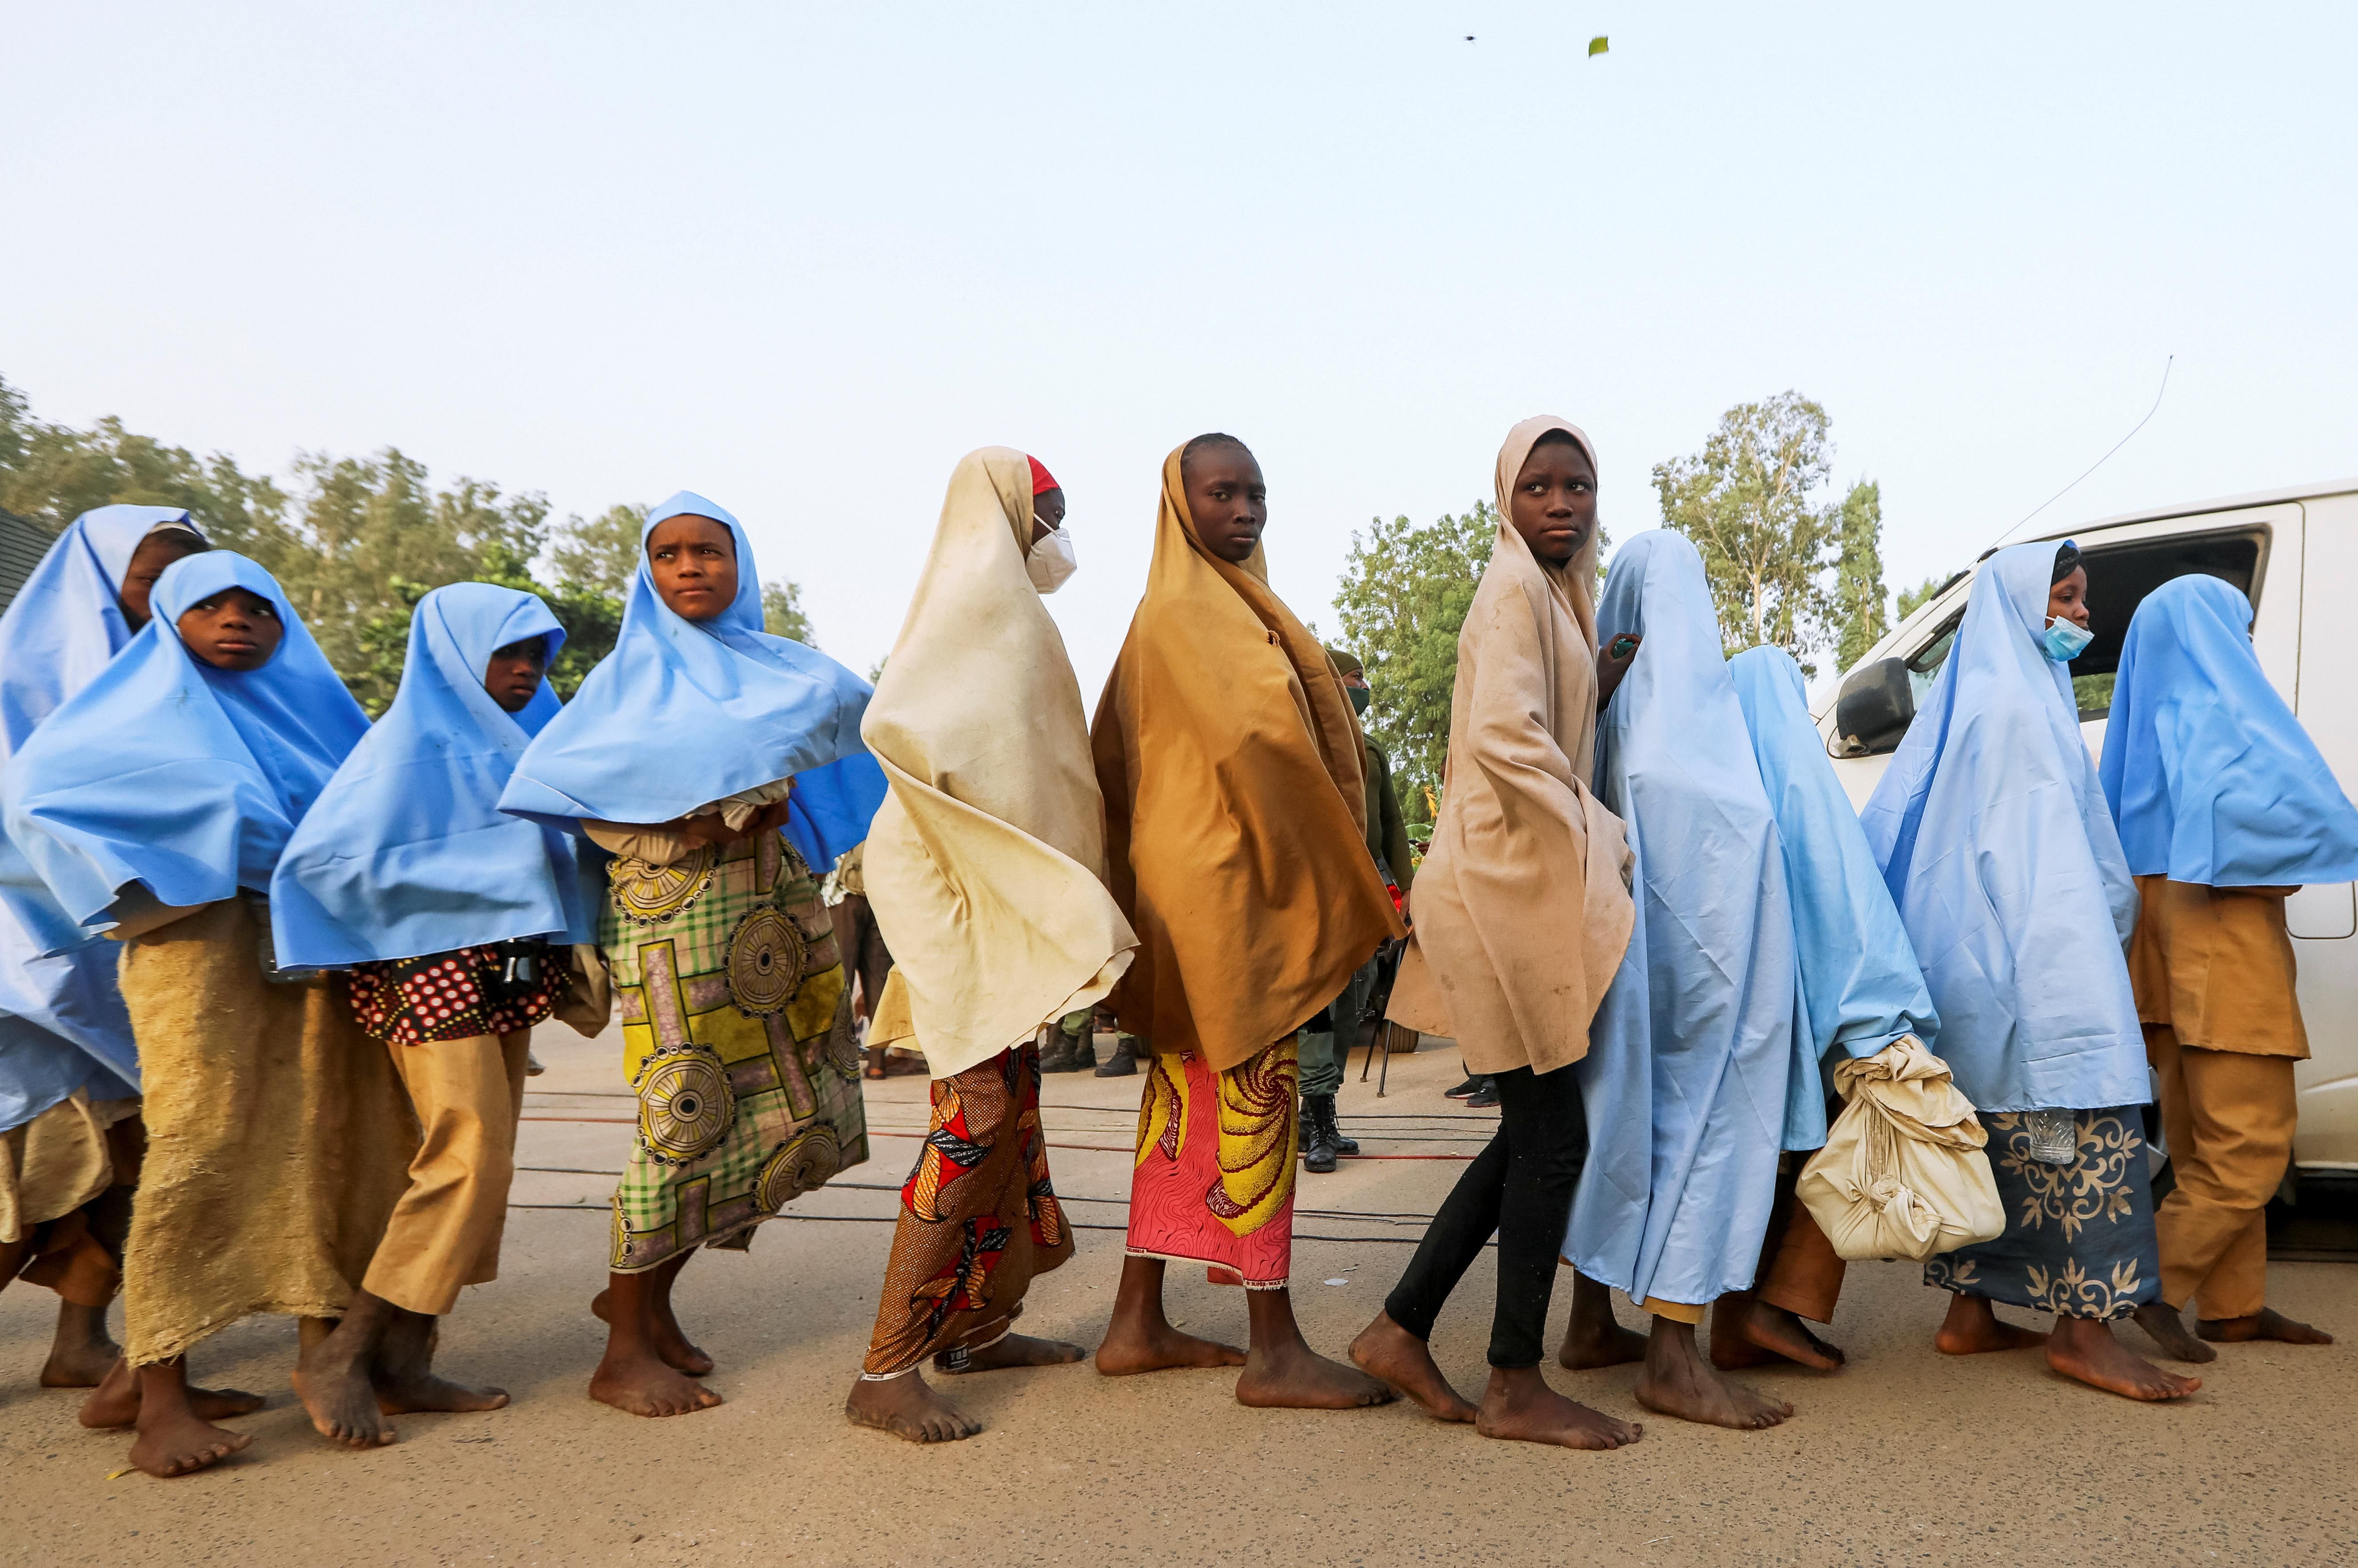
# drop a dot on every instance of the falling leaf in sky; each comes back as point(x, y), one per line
point(1596, 46)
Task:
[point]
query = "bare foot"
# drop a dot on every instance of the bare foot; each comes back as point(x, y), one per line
point(115, 1401)
point(403, 1372)
point(2166, 1328)
point(642, 1384)
point(1011, 1350)
point(2084, 1348)
point(670, 1340)
point(1679, 1381)
point(1151, 1347)
point(173, 1439)
point(1519, 1407)
point(1748, 1332)
point(1595, 1337)
point(1386, 1351)
point(907, 1407)
point(339, 1399)
point(1291, 1376)
point(2269, 1324)
point(82, 1351)
point(1971, 1327)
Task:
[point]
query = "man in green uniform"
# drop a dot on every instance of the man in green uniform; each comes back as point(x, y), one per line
point(1324, 1049)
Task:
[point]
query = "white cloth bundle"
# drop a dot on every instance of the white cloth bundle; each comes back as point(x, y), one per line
point(1903, 1174)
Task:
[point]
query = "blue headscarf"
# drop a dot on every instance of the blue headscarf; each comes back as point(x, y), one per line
point(1860, 985)
point(683, 713)
point(2211, 778)
point(406, 852)
point(1998, 850)
point(62, 1023)
point(168, 772)
point(1691, 1055)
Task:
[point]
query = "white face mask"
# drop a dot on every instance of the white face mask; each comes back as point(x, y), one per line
point(1052, 563)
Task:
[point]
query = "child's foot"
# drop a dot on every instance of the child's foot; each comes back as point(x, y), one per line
point(643, 1384)
point(182, 1443)
point(1594, 1339)
point(1519, 1407)
point(115, 1401)
point(82, 1351)
point(1130, 1349)
point(1011, 1350)
point(2084, 1350)
point(2163, 1325)
point(1294, 1376)
point(403, 1375)
point(1748, 1332)
point(2266, 1323)
point(908, 1406)
point(1679, 1381)
point(669, 1339)
point(1971, 1329)
point(336, 1393)
point(1386, 1351)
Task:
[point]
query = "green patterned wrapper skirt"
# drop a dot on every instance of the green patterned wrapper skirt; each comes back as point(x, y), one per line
point(737, 1039)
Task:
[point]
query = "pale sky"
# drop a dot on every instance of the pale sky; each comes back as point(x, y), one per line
point(801, 258)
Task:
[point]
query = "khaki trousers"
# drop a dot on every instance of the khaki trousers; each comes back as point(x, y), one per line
point(445, 1232)
point(2228, 1118)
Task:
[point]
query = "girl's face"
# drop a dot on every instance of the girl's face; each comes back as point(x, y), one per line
point(2068, 599)
point(693, 560)
point(1047, 513)
point(1554, 503)
point(155, 552)
point(234, 630)
point(1226, 499)
point(513, 676)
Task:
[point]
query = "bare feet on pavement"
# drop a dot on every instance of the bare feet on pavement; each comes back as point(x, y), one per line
point(404, 1376)
point(1012, 1350)
point(115, 1401)
point(1141, 1339)
point(2083, 1349)
point(670, 1340)
point(173, 1439)
point(82, 1351)
point(639, 1381)
point(1971, 1327)
point(2166, 1328)
point(1595, 1337)
point(1386, 1351)
point(1679, 1381)
point(1519, 1407)
point(1748, 1332)
point(2266, 1324)
point(907, 1406)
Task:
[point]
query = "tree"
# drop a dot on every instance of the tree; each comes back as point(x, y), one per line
point(1923, 593)
point(1405, 593)
point(1744, 501)
point(602, 553)
point(782, 613)
point(1858, 592)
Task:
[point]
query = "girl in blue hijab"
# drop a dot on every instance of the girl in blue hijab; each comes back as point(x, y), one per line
point(155, 803)
point(2224, 808)
point(1861, 992)
point(444, 909)
point(1691, 1052)
point(67, 1059)
point(2001, 854)
point(686, 753)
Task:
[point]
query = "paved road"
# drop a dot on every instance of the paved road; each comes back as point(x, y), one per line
point(1907, 1457)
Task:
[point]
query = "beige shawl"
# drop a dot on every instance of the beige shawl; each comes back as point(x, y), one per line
point(1523, 908)
point(986, 865)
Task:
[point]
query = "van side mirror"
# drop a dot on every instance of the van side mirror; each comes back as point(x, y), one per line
point(1874, 708)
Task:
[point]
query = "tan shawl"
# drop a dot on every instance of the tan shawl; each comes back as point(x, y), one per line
point(1231, 761)
point(986, 864)
point(1523, 908)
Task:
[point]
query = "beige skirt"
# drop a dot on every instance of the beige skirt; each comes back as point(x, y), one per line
point(278, 1138)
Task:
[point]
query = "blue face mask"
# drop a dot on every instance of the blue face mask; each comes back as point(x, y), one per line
point(2066, 640)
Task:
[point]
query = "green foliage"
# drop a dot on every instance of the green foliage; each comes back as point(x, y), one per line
point(1921, 594)
point(1406, 589)
point(782, 613)
point(361, 540)
point(1858, 593)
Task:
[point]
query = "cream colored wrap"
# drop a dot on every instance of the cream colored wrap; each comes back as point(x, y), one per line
point(1523, 908)
point(986, 864)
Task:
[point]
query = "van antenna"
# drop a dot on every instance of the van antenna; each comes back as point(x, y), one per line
point(2100, 463)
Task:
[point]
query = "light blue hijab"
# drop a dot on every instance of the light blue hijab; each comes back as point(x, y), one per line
point(406, 852)
point(683, 713)
point(1997, 848)
point(1693, 1052)
point(2211, 778)
point(167, 772)
point(62, 1025)
point(1860, 986)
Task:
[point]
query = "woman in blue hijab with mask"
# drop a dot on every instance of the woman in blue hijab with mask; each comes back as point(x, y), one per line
point(444, 908)
point(685, 753)
point(1996, 844)
point(2224, 808)
point(1691, 1054)
point(69, 1069)
point(156, 803)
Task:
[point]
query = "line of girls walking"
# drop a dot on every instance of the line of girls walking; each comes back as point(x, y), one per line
point(267, 971)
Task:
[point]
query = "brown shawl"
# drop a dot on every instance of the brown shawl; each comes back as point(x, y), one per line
point(1231, 761)
point(1523, 908)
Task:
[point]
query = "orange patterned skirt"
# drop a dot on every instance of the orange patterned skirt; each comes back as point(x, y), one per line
point(1214, 1178)
point(979, 1219)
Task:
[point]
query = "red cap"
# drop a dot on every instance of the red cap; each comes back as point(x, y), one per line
point(1042, 480)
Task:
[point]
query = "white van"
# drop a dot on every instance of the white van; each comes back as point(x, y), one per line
point(2293, 552)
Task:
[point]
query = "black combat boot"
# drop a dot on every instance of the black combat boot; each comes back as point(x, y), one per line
point(1318, 1150)
point(1124, 1060)
point(1333, 1130)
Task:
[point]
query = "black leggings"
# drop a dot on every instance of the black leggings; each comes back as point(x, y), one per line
point(1520, 1187)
